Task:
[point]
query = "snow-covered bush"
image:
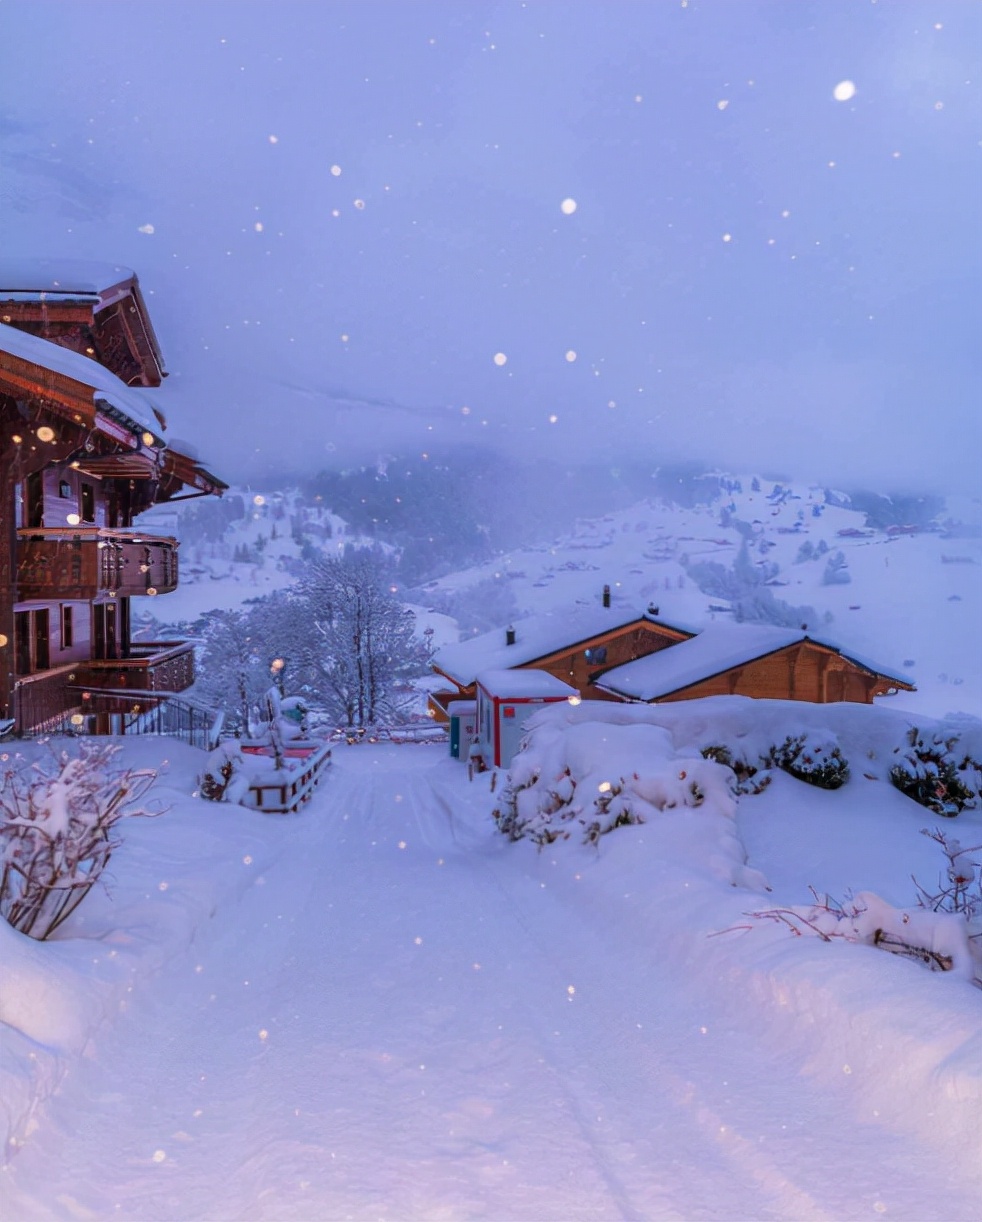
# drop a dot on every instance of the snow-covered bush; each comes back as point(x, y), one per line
point(931, 772)
point(586, 784)
point(224, 777)
point(814, 758)
point(943, 931)
point(56, 831)
point(749, 778)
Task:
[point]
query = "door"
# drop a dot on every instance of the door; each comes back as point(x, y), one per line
point(34, 515)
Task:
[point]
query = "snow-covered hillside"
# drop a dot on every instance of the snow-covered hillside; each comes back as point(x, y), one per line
point(909, 600)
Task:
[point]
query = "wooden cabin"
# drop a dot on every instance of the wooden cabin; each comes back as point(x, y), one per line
point(82, 453)
point(573, 647)
point(751, 660)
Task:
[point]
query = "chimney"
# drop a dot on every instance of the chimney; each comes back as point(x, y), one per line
point(606, 599)
point(509, 635)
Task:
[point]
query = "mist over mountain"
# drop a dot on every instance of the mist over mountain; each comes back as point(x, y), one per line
point(738, 233)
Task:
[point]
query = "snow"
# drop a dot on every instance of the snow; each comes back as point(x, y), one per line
point(135, 405)
point(523, 684)
point(59, 277)
point(275, 1018)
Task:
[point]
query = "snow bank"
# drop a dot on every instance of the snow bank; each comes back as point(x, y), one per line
point(164, 883)
point(675, 874)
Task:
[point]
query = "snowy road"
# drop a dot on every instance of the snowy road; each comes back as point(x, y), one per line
point(406, 1018)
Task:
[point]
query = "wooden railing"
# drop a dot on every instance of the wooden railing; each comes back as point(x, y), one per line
point(43, 700)
point(154, 666)
point(289, 789)
point(77, 562)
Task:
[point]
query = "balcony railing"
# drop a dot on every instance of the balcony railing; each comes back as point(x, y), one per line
point(44, 700)
point(86, 561)
point(153, 666)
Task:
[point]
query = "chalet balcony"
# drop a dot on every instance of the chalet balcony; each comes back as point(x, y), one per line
point(153, 666)
point(45, 700)
point(84, 562)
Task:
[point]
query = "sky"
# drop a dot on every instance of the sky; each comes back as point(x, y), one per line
point(744, 232)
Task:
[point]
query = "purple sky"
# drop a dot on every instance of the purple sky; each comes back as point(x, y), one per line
point(755, 273)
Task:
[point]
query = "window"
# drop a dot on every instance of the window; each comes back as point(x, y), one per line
point(88, 503)
point(67, 626)
point(596, 656)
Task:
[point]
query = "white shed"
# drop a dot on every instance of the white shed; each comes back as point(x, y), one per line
point(505, 701)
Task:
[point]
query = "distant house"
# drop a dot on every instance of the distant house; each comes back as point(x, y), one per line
point(573, 647)
point(751, 660)
point(607, 654)
point(82, 453)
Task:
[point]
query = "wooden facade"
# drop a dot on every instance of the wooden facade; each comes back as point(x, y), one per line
point(81, 455)
point(808, 671)
point(579, 662)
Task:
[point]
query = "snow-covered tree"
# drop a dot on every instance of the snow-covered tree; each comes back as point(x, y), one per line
point(362, 638)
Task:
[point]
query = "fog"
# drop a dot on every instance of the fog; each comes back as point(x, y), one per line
point(743, 232)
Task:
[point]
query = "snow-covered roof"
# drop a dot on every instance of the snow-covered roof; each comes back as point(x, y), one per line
point(524, 685)
point(68, 277)
point(536, 637)
point(716, 649)
point(134, 406)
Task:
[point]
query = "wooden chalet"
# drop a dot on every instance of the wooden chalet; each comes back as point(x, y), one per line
point(750, 660)
point(571, 646)
point(82, 453)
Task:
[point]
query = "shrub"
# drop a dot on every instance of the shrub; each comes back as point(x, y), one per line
point(929, 772)
point(748, 777)
point(818, 761)
point(56, 831)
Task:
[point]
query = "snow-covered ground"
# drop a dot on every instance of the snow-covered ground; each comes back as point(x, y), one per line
point(381, 1008)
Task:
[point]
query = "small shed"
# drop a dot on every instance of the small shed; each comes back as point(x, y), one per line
point(463, 726)
point(505, 701)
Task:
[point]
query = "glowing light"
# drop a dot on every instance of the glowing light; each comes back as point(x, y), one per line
point(145, 229)
point(568, 207)
point(727, 237)
point(574, 700)
point(570, 989)
point(258, 226)
point(359, 204)
point(147, 438)
point(722, 104)
point(73, 519)
point(277, 665)
point(77, 719)
point(844, 91)
point(17, 439)
point(151, 590)
point(263, 1034)
point(604, 786)
point(571, 356)
point(259, 500)
point(45, 433)
point(336, 171)
point(500, 358)
point(159, 1156)
point(273, 139)
point(3, 639)
point(553, 418)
